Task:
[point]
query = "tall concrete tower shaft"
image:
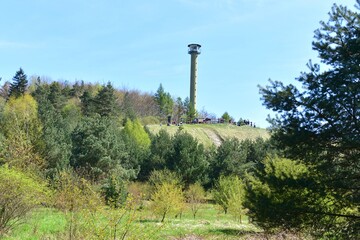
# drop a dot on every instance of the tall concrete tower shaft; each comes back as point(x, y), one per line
point(194, 51)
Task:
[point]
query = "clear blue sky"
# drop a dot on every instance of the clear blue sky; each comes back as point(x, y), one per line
point(139, 44)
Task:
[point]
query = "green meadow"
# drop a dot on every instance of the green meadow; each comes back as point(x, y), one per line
point(210, 223)
point(209, 134)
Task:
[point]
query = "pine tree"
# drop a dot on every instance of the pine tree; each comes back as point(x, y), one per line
point(105, 101)
point(320, 123)
point(18, 87)
point(164, 101)
point(188, 159)
point(87, 103)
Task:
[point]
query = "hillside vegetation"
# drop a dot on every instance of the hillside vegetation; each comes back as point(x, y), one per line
point(80, 154)
point(209, 134)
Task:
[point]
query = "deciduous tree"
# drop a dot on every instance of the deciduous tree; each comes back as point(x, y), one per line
point(22, 130)
point(195, 197)
point(19, 194)
point(226, 117)
point(168, 198)
point(229, 194)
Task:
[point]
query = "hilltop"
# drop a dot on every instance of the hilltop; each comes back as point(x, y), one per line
point(214, 133)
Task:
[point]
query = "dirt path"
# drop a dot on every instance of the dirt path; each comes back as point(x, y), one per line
point(214, 136)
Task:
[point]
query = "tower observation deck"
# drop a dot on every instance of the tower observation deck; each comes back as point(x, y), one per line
point(194, 50)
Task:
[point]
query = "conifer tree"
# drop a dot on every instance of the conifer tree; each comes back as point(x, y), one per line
point(18, 87)
point(320, 123)
point(87, 106)
point(105, 101)
point(164, 101)
point(188, 159)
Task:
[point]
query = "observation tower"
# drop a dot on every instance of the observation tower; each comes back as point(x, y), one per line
point(194, 51)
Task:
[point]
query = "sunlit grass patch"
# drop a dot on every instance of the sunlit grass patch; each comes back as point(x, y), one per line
point(210, 223)
point(43, 223)
point(209, 134)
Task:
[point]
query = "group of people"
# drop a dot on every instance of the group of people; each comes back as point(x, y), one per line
point(247, 122)
point(208, 120)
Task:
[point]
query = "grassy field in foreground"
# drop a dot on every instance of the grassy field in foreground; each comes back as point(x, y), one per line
point(214, 133)
point(210, 223)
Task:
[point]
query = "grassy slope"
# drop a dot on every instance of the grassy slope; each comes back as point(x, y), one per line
point(215, 133)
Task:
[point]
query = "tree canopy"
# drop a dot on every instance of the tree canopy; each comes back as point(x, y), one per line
point(164, 101)
point(320, 123)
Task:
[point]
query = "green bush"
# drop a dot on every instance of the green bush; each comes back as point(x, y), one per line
point(229, 194)
point(19, 194)
point(114, 191)
point(168, 198)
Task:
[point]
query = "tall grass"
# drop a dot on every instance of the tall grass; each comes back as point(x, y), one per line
point(209, 134)
point(42, 223)
point(210, 223)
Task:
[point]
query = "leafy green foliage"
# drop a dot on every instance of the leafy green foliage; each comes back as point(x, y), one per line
point(22, 130)
point(20, 118)
point(229, 194)
point(87, 107)
point(179, 109)
point(19, 194)
point(74, 196)
point(102, 103)
point(105, 101)
point(56, 96)
point(128, 108)
point(73, 193)
point(229, 159)
point(161, 149)
point(98, 147)
point(59, 116)
point(136, 132)
point(168, 198)
point(280, 195)
point(226, 117)
point(164, 101)
point(159, 177)
point(75, 137)
point(71, 113)
point(114, 191)
point(190, 110)
point(234, 157)
point(56, 135)
point(181, 154)
point(188, 159)
point(320, 123)
point(137, 143)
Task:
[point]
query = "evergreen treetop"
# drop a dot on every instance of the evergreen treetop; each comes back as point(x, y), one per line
point(19, 84)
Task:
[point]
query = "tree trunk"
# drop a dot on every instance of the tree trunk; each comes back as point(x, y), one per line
point(163, 217)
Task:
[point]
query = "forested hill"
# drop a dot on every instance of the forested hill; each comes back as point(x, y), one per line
point(81, 151)
point(209, 134)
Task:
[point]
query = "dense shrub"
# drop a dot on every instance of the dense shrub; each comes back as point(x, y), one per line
point(19, 194)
